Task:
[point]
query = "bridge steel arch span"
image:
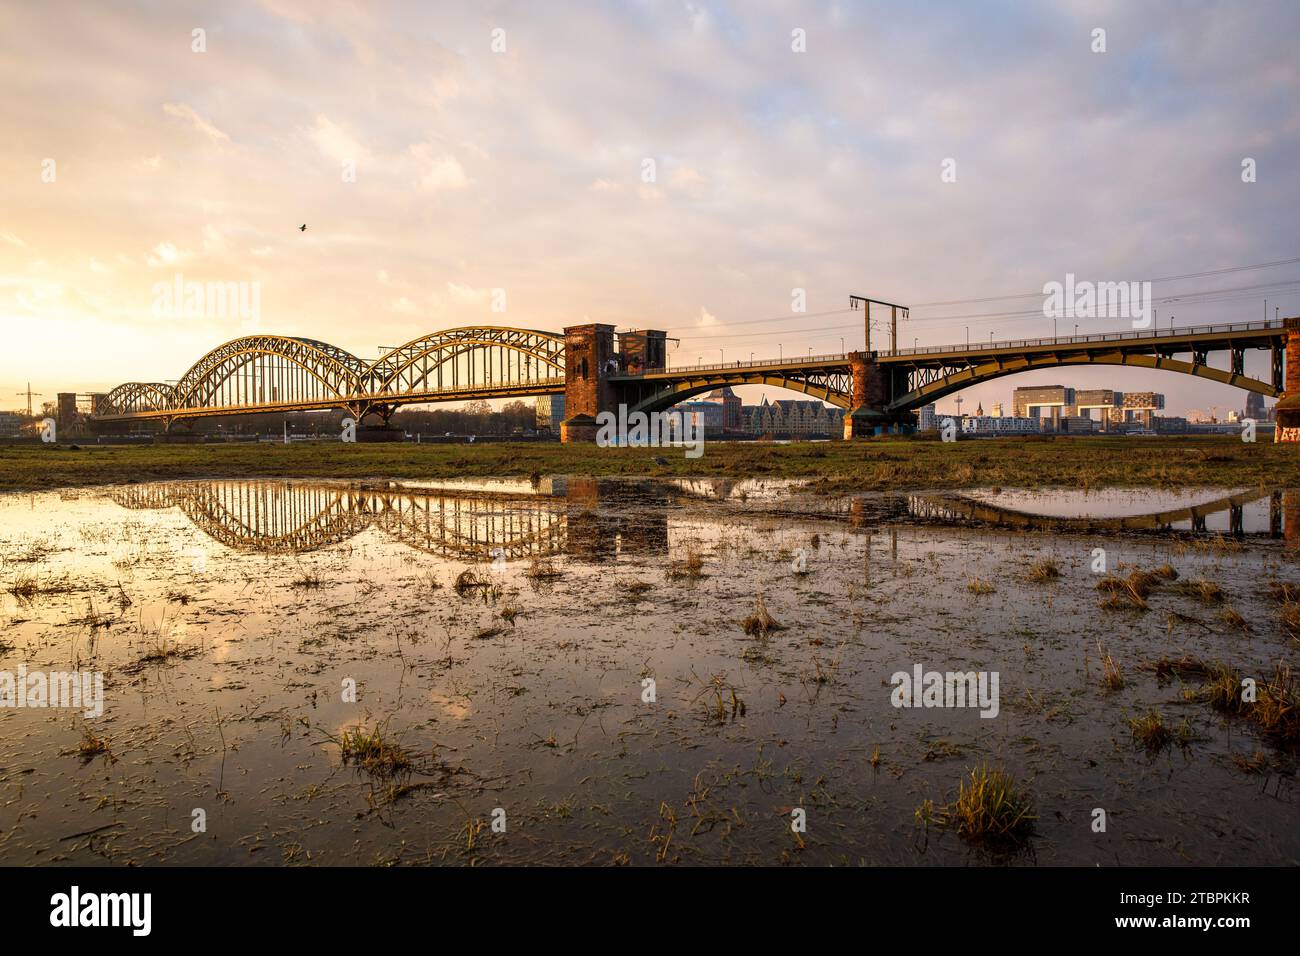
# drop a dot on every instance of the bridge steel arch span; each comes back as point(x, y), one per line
point(949, 381)
point(254, 371)
point(519, 354)
point(277, 373)
point(834, 388)
point(133, 397)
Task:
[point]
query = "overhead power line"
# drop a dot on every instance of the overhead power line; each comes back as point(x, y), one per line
point(1000, 298)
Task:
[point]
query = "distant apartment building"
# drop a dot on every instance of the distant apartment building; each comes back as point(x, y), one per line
point(719, 412)
point(1030, 401)
point(1139, 408)
point(926, 419)
point(550, 412)
point(787, 418)
point(1078, 424)
point(1118, 411)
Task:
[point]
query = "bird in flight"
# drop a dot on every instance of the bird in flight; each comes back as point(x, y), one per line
point(303, 227)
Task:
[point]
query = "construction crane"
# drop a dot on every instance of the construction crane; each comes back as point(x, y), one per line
point(29, 393)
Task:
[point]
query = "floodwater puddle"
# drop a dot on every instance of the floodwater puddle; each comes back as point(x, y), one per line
point(609, 671)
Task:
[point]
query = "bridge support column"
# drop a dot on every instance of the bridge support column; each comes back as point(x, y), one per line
point(589, 359)
point(1288, 409)
point(869, 396)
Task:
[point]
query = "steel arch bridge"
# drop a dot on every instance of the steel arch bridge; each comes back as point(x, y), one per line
point(910, 378)
point(276, 373)
point(282, 517)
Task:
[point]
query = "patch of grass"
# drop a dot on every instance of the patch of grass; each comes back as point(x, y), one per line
point(980, 586)
point(541, 570)
point(1207, 592)
point(637, 589)
point(1257, 762)
point(27, 587)
point(1131, 591)
point(1167, 668)
point(1112, 676)
point(374, 752)
point(990, 808)
point(1233, 619)
point(1276, 712)
point(468, 581)
point(92, 745)
point(760, 623)
point(690, 567)
point(1045, 569)
point(893, 462)
point(1222, 688)
point(1284, 593)
point(1152, 733)
point(1289, 615)
point(307, 581)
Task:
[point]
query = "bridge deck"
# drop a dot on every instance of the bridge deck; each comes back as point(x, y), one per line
point(1208, 338)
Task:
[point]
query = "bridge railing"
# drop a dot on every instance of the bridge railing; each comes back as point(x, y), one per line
point(800, 360)
point(836, 359)
point(1094, 337)
point(273, 404)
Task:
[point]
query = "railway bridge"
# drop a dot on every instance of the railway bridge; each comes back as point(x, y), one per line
point(598, 369)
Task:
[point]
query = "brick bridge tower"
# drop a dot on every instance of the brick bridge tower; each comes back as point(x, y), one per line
point(1287, 427)
point(592, 353)
point(870, 392)
point(589, 358)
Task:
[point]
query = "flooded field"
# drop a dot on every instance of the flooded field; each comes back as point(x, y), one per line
point(606, 671)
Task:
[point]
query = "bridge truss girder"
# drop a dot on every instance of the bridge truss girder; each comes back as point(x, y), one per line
point(928, 383)
point(644, 394)
point(273, 373)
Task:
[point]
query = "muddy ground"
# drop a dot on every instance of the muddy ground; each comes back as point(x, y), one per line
point(229, 617)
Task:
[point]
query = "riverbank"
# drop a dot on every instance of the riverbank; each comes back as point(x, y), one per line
point(876, 464)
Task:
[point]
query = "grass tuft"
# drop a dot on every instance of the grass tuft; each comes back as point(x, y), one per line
point(989, 809)
point(760, 623)
point(373, 751)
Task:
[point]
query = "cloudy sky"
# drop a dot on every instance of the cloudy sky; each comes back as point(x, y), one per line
point(646, 164)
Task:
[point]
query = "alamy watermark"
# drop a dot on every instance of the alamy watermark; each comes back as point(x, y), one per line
point(1098, 300)
point(923, 688)
point(130, 910)
point(179, 299)
point(651, 429)
point(77, 690)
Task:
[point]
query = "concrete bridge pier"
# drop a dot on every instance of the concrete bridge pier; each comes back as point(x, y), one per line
point(870, 392)
point(1287, 427)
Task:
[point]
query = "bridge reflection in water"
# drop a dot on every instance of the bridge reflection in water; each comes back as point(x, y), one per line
point(1282, 521)
point(457, 523)
point(598, 520)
